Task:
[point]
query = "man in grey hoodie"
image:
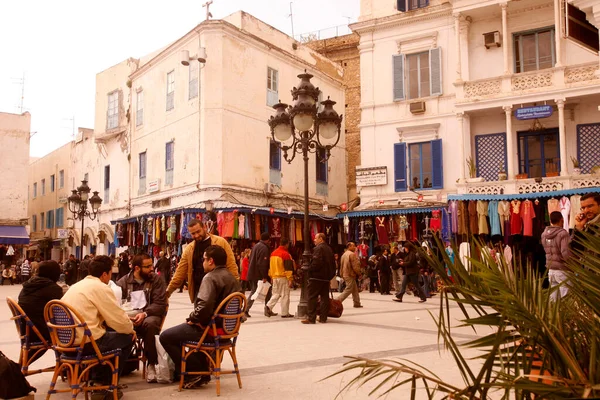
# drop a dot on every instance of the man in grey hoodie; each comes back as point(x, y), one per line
point(556, 245)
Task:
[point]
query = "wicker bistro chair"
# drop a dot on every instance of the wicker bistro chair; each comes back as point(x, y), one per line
point(63, 322)
point(138, 352)
point(32, 341)
point(224, 328)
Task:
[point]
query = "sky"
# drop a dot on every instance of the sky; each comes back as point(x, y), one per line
point(60, 46)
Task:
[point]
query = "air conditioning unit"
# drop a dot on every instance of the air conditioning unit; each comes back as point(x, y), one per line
point(491, 39)
point(417, 107)
point(270, 187)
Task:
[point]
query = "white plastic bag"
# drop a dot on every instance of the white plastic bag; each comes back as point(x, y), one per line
point(261, 291)
point(165, 369)
point(117, 290)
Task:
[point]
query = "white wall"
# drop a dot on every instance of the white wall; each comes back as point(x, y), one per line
point(14, 136)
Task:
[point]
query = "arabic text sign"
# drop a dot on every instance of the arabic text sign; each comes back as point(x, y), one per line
point(533, 112)
point(371, 176)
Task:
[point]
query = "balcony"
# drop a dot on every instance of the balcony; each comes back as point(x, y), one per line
point(553, 79)
point(529, 185)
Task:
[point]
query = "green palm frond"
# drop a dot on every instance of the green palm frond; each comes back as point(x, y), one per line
point(537, 347)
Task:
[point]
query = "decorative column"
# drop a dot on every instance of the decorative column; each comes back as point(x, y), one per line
point(562, 137)
point(505, 37)
point(511, 154)
point(460, 118)
point(557, 34)
point(457, 44)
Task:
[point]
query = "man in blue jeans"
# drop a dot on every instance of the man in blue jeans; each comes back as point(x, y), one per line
point(217, 284)
point(96, 303)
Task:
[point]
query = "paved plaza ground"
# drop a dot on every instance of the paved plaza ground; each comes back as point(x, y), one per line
point(284, 359)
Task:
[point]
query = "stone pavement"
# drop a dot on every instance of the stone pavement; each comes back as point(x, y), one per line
point(284, 359)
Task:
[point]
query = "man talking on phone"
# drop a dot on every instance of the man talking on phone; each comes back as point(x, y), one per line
point(590, 212)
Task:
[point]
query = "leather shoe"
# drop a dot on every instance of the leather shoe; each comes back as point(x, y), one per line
point(358, 306)
point(307, 321)
point(322, 321)
point(269, 313)
point(287, 316)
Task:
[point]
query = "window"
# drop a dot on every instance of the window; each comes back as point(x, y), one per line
point(34, 223)
point(169, 162)
point(34, 190)
point(534, 50)
point(112, 114)
point(107, 183)
point(274, 156)
point(171, 90)
point(139, 108)
point(42, 220)
point(61, 179)
point(417, 75)
point(43, 187)
point(60, 215)
point(193, 80)
point(50, 219)
point(539, 153)
point(272, 87)
point(52, 183)
point(321, 165)
point(588, 151)
point(407, 5)
point(425, 165)
point(142, 173)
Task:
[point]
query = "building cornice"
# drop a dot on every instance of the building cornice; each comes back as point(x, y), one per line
point(403, 18)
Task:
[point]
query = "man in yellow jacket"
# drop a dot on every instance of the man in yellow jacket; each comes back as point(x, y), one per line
point(190, 266)
point(280, 270)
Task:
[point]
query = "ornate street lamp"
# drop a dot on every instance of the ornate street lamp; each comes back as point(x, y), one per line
point(309, 130)
point(78, 206)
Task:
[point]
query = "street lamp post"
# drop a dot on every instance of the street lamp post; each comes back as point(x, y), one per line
point(309, 130)
point(78, 206)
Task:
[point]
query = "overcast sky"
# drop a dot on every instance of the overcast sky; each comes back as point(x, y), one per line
point(61, 45)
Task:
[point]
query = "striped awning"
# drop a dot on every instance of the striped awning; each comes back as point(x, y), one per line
point(532, 195)
point(388, 211)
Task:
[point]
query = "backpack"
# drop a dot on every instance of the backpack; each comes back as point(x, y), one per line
point(10, 371)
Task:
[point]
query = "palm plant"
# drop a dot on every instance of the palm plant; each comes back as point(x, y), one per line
point(537, 348)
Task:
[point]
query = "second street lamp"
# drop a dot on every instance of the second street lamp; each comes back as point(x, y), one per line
point(310, 131)
point(78, 206)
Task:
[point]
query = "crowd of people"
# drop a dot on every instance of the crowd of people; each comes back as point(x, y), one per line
point(211, 271)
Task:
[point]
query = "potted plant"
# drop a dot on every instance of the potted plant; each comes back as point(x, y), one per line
point(502, 175)
point(551, 169)
point(523, 175)
point(576, 169)
point(473, 171)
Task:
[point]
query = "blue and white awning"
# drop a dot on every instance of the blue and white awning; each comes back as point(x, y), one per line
point(13, 235)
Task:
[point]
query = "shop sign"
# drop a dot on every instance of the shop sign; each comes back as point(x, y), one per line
point(62, 233)
point(63, 199)
point(371, 176)
point(533, 112)
point(153, 186)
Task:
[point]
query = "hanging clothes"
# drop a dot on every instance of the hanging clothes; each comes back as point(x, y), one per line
point(392, 229)
point(473, 218)
point(453, 211)
point(299, 231)
point(494, 218)
point(446, 226)
point(575, 209)
point(236, 226)
point(292, 231)
point(242, 226)
point(276, 224)
point(504, 216)
point(380, 227)
point(527, 215)
point(228, 224)
point(553, 205)
point(435, 224)
point(516, 224)
point(463, 218)
point(402, 227)
point(565, 210)
point(414, 228)
point(482, 212)
point(538, 222)
point(464, 253)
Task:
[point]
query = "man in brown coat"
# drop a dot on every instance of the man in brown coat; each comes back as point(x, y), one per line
point(350, 270)
point(190, 266)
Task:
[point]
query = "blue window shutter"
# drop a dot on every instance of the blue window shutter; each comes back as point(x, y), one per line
point(401, 5)
point(400, 167)
point(438, 164)
point(435, 71)
point(398, 61)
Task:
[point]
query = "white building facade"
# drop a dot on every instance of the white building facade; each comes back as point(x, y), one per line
point(443, 82)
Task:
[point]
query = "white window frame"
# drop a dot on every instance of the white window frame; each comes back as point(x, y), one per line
point(272, 86)
point(61, 179)
point(139, 108)
point(170, 90)
point(112, 112)
point(417, 56)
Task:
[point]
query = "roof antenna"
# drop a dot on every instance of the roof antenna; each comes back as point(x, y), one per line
point(291, 16)
point(207, 5)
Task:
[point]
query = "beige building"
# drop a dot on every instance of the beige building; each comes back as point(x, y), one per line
point(14, 137)
point(446, 81)
point(49, 186)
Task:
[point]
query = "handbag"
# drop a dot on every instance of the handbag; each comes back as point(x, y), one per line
point(10, 371)
point(261, 291)
point(336, 308)
point(165, 369)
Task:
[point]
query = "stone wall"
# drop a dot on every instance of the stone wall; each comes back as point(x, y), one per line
point(344, 50)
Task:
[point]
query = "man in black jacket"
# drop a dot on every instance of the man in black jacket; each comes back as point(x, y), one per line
point(71, 270)
point(321, 271)
point(217, 284)
point(151, 290)
point(163, 267)
point(259, 270)
point(411, 272)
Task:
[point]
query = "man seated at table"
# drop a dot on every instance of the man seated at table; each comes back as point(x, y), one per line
point(217, 284)
point(147, 293)
point(95, 302)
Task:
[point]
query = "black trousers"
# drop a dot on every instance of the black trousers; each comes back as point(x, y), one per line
point(314, 290)
point(385, 283)
point(253, 288)
point(110, 341)
point(171, 340)
point(374, 283)
point(147, 330)
point(414, 279)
